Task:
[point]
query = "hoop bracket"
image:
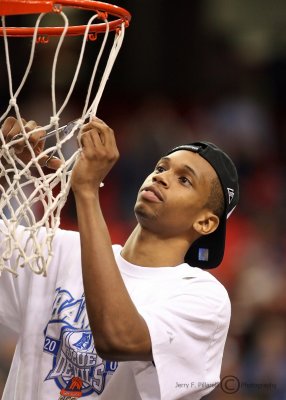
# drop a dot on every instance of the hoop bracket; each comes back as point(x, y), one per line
point(42, 39)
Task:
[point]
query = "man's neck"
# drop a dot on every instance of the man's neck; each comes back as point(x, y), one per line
point(146, 249)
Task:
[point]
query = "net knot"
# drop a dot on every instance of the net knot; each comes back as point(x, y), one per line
point(80, 122)
point(16, 177)
point(54, 120)
point(33, 230)
point(13, 101)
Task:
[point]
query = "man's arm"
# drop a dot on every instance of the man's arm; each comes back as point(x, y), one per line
point(119, 331)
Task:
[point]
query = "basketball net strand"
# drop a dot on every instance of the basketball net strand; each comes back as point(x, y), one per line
point(26, 237)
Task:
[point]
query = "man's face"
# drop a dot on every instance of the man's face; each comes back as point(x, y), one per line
point(173, 197)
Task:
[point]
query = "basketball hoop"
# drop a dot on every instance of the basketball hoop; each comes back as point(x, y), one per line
point(13, 7)
point(26, 236)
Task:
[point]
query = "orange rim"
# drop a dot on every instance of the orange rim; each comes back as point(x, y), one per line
point(31, 7)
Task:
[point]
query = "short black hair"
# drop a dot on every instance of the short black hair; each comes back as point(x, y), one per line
point(216, 198)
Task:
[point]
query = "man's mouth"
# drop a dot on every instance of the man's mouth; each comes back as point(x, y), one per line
point(152, 193)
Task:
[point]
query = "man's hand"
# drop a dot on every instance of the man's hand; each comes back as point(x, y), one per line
point(12, 128)
point(99, 154)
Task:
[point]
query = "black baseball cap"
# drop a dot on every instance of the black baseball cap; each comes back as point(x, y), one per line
point(207, 251)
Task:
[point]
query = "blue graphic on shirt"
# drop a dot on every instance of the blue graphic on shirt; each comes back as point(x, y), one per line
point(68, 339)
point(84, 342)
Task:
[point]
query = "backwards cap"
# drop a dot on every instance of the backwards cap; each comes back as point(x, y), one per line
point(207, 251)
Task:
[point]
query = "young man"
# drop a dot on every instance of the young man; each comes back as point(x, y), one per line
point(140, 322)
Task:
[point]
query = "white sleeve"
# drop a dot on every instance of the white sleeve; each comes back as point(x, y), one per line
point(188, 334)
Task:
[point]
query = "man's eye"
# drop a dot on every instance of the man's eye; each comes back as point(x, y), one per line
point(159, 169)
point(185, 180)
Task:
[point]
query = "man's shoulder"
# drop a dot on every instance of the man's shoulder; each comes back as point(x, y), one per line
point(208, 284)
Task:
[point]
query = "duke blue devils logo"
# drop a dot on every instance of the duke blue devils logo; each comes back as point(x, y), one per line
point(76, 369)
point(84, 342)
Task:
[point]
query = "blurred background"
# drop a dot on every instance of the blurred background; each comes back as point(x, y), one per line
point(195, 70)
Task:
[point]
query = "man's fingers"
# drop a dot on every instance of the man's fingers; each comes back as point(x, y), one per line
point(19, 146)
point(35, 138)
point(11, 127)
point(7, 125)
point(89, 135)
point(54, 163)
point(50, 162)
point(30, 125)
point(99, 128)
point(106, 133)
point(85, 139)
point(98, 140)
point(88, 142)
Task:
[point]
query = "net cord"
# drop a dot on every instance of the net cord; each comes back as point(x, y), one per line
point(32, 244)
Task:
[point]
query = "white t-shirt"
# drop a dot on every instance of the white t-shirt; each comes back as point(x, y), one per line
point(186, 309)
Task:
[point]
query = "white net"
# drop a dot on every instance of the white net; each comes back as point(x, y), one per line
point(27, 188)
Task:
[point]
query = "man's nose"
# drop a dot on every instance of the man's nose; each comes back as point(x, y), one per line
point(161, 179)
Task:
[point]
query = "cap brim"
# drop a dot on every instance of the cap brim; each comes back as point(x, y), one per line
point(207, 251)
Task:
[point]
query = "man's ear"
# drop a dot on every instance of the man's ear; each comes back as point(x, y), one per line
point(206, 223)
